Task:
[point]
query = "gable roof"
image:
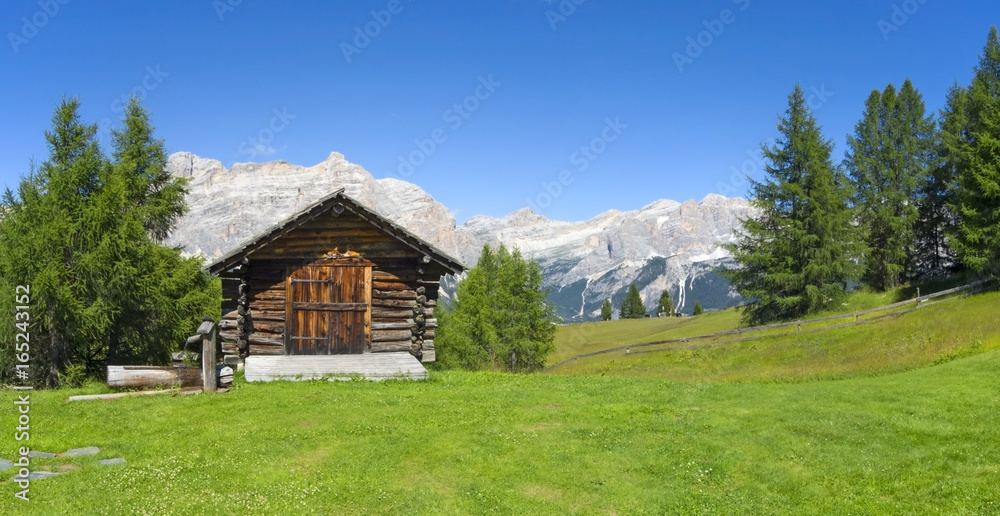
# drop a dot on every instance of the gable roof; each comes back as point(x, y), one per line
point(324, 205)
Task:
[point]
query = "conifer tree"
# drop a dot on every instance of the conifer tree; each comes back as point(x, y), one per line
point(632, 306)
point(500, 319)
point(697, 308)
point(82, 231)
point(978, 204)
point(665, 306)
point(937, 220)
point(796, 256)
point(888, 160)
point(606, 310)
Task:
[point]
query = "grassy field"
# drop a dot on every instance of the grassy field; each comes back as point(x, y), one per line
point(465, 443)
point(898, 416)
point(941, 330)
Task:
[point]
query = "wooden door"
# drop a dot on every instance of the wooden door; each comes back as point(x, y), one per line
point(327, 310)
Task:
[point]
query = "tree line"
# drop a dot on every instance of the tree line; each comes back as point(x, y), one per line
point(632, 306)
point(916, 196)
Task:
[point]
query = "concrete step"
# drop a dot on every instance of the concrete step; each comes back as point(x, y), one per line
point(369, 366)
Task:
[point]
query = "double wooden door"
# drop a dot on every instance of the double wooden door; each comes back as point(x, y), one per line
point(327, 310)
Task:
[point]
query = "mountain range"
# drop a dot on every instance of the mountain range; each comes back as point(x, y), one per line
point(664, 245)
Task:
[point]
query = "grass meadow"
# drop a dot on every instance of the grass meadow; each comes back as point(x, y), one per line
point(892, 417)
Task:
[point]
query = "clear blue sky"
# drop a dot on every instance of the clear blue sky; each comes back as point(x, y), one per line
point(215, 75)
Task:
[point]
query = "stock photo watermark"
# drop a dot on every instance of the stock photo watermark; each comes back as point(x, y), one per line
point(713, 30)
point(30, 25)
point(740, 175)
point(260, 143)
point(22, 340)
point(900, 15)
point(223, 7)
point(563, 11)
point(150, 81)
point(582, 158)
point(364, 36)
point(454, 116)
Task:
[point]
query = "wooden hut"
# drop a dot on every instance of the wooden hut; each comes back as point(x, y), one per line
point(334, 279)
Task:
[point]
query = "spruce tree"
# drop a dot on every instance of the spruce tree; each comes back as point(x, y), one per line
point(632, 307)
point(606, 310)
point(697, 308)
point(978, 204)
point(936, 223)
point(796, 255)
point(500, 319)
point(665, 306)
point(888, 160)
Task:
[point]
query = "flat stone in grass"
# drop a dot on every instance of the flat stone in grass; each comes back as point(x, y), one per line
point(80, 452)
point(5, 464)
point(111, 462)
point(40, 454)
point(36, 475)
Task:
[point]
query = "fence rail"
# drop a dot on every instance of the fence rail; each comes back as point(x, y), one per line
point(916, 302)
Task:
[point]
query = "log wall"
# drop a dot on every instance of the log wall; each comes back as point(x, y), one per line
point(404, 287)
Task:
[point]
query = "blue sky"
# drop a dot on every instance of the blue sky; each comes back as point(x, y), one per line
point(572, 107)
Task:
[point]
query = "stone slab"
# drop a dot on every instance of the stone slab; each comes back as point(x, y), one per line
point(40, 454)
point(369, 366)
point(80, 452)
point(111, 462)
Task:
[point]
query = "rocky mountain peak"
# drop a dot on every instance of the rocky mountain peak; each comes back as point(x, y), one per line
point(664, 245)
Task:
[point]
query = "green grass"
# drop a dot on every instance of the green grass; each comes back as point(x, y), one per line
point(899, 340)
point(937, 332)
point(466, 443)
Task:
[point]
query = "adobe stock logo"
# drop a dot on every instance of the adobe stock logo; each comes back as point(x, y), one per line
point(29, 27)
point(582, 158)
point(260, 144)
point(900, 15)
point(455, 116)
point(363, 37)
point(713, 29)
point(150, 81)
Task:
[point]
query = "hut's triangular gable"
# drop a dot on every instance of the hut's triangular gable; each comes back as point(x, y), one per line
point(335, 204)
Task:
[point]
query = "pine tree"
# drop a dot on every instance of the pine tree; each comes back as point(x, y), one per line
point(978, 205)
point(82, 231)
point(632, 307)
point(606, 310)
point(795, 257)
point(665, 307)
point(888, 161)
point(936, 223)
point(501, 319)
point(697, 308)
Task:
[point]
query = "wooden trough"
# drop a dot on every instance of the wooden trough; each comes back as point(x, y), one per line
point(369, 366)
point(148, 377)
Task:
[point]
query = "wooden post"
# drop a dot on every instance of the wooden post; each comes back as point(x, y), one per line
point(918, 297)
point(207, 332)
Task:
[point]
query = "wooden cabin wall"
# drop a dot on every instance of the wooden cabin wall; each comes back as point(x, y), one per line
point(404, 288)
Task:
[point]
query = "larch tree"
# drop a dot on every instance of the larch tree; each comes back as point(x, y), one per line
point(500, 319)
point(83, 230)
point(798, 253)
